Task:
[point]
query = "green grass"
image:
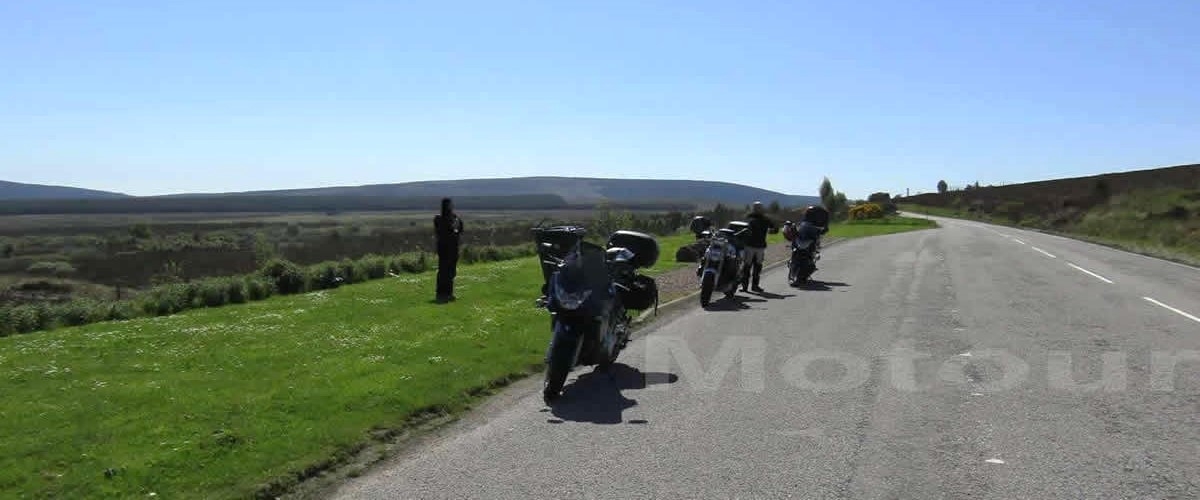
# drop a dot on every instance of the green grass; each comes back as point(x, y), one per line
point(878, 227)
point(216, 403)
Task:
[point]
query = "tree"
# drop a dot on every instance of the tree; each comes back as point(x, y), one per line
point(8, 250)
point(774, 207)
point(943, 187)
point(826, 191)
point(833, 200)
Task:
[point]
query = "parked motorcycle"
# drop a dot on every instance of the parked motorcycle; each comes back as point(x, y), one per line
point(720, 268)
point(805, 241)
point(589, 291)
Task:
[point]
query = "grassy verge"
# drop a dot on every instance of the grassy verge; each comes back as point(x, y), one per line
point(233, 401)
point(1118, 226)
point(878, 227)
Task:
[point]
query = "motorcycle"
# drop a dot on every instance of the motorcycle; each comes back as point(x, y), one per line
point(589, 291)
point(721, 268)
point(805, 241)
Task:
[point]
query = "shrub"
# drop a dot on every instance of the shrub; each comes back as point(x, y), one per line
point(56, 268)
point(166, 299)
point(287, 276)
point(235, 290)
point(374, 267)
point(117, 311)
point(212, 293)
point(79, 312)
point(412, 264)
point(28, 318)
point(259, 287)
point(866, 211)
point(8, 324)
point(324, 276)
point(349, 271)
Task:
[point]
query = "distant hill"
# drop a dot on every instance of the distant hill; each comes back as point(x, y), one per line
point(19, 191)
point(529, 193)
point(575, 190)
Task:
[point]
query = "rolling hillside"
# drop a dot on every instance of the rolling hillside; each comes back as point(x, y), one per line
point(20, 191)
point(530, 193)
point(576, 191)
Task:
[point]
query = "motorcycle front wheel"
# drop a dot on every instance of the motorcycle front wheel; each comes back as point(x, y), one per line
point(559, 360)
point(706, 289)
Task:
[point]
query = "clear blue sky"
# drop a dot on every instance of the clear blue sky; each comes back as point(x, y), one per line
point(163, 97)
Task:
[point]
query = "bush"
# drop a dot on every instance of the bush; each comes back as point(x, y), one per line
point(350, 271)
point(211, 293)
point(259, 287)
point(866, 211)
point(118, 311)
point(29, 318)
point(412, 263)
point(57, 268)
point(79, 312)
point(324, 276)
point(287, 276)
point(374, 267)
point(235, 290)
point(167, 299)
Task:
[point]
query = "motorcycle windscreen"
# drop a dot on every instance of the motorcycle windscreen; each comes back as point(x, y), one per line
point(590, 272)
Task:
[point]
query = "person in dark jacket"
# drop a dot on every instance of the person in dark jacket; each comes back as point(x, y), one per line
point(817, 216)
point(448, 228)
point(756, 246)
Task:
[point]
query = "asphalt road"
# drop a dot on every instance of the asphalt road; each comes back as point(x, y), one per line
point(967, 361)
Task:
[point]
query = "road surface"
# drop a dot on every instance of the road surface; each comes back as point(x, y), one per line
point(967, 361)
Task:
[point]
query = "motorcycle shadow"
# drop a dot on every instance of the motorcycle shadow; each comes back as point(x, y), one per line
point(735, 303)
point(821, 286)
point(596, 397)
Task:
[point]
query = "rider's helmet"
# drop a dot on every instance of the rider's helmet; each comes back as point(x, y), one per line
point(789, 231)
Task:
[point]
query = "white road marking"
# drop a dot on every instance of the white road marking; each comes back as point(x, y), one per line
point(1097, 276)
point(966, 354)
point(1018, 241)
point(994, 461)
point(1172, 309)
point(976, 393)
point(1048, 254)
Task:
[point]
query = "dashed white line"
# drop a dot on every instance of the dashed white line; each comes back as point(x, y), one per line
point(1097, 276)
point(1172, 309)
point(1018, 241)
point(1048, 254)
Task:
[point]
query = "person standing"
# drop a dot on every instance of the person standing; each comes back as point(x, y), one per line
point(756, 246)
point(448, 228)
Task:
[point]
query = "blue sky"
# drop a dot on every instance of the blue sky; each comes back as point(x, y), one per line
point(165, 97)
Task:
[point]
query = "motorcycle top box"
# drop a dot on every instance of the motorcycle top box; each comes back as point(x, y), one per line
point(643, 246)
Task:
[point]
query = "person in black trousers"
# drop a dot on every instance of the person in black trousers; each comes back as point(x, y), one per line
point(448, 228)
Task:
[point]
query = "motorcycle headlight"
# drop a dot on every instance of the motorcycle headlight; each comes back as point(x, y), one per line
point(570, 300)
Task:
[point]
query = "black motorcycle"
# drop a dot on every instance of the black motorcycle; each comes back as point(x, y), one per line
point(806, 251)
point(721, 268)
point(589, 291)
